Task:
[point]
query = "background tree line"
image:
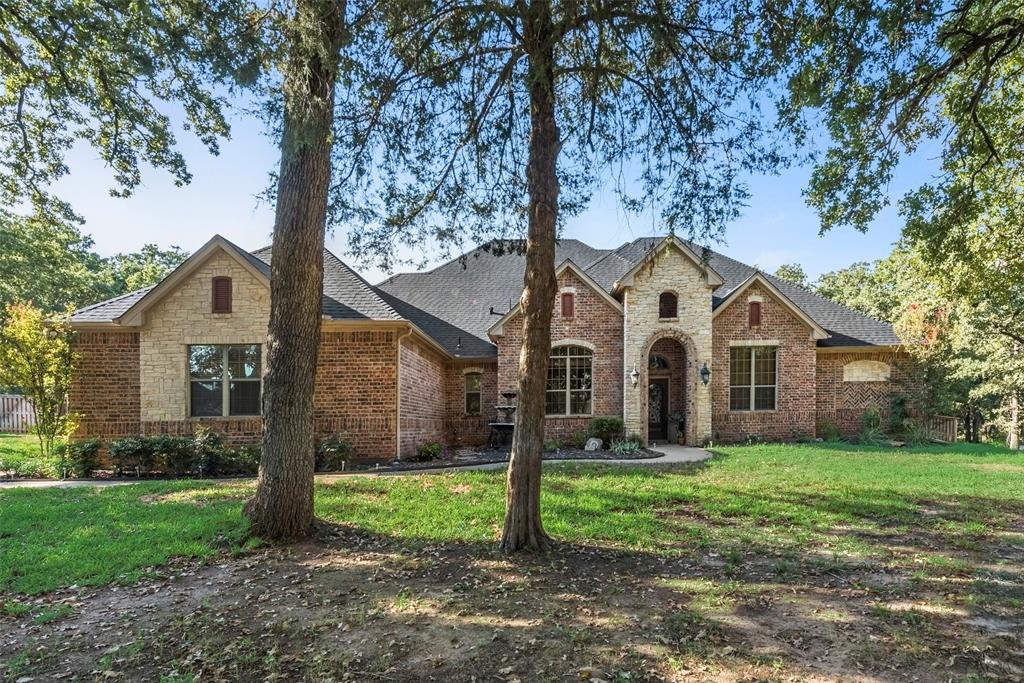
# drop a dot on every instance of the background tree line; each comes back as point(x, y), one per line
point(51, 264)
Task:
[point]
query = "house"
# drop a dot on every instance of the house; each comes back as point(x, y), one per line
point(680, 341)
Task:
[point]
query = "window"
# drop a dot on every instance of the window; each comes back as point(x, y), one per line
point(224, 380)
point(752, 376)
point(568, 305)
point(473, 393)
point(570, 381)
point(668, 305)
point(658, 362)
point(754, 314)
point(221, 295)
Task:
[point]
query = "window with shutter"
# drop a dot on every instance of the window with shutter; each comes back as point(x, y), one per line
point(755, 314)
point(568, 305)
point(221, 295)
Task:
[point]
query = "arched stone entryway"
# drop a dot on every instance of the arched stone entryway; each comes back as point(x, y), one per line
point(669, 380)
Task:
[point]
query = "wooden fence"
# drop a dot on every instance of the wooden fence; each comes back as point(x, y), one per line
point(943, 428)
point(15, 414)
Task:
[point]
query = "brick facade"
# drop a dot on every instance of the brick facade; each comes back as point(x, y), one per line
point(462, 429)
point(105, 388)
point(422, 380)
point(595, 324)
point(846, 387)
point(795, 413)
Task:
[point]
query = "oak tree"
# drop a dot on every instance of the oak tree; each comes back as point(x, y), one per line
point(497, 119)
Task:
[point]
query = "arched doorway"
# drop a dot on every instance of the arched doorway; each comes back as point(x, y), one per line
point(670, 378)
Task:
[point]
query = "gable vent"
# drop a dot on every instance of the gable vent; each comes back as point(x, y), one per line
point(221, 295)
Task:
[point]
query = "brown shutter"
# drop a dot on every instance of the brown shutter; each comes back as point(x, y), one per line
point(568, 305)
point(221, 295)
point(755, 314)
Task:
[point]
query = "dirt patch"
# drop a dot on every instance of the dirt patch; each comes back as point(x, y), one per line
point(356, 607)
point(996, 467)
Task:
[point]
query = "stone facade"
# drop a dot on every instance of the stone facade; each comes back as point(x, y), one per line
point(596, 325)
point(185, 317)
point(670, 270)
point(794, 416)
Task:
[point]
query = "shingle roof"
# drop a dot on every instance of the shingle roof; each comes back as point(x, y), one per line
point(347, 296)
point(846, 326)
point(463, 291)
point(453, 303)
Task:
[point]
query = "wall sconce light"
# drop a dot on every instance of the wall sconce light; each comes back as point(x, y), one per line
point(634, 376)
point(705, 374)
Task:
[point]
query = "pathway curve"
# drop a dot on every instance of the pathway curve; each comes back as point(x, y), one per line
point(671, 455)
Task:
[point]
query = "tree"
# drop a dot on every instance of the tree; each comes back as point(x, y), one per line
point(282, 506)
point(792, 272)
point(49, 263)
point(488, 118)
point(36, 356)
point(144, 268)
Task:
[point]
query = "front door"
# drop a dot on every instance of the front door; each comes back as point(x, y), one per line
point(657, 409)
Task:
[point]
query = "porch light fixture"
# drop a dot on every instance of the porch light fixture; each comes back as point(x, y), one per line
point(705, 374)
point(634, 376)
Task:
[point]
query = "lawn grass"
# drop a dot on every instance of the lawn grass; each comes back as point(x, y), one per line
point(19, 453)
point(821, 502)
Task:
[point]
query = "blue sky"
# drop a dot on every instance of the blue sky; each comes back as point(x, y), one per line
point(777, 227)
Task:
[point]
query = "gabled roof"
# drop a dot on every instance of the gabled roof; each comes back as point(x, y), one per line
point(259, 270)
point(817, 331)
point(497, 329)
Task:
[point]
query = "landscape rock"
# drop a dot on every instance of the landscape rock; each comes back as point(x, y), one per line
point(593, 444)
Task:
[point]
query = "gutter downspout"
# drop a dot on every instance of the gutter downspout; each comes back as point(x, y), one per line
point(398, 393)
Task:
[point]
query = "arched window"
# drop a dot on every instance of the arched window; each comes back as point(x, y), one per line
point(658, 362)
point(668, 305)
point(570, 381)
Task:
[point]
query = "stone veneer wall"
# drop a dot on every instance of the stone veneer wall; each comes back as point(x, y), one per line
point(105, 386)
point(185, 317)
point(794, 416)
point(841, 403)
point(679, 392)
point(671, 270)
point(422, 395)
point(595, 322)
point(470, 430)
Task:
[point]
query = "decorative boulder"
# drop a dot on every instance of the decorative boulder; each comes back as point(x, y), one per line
point(593, 444)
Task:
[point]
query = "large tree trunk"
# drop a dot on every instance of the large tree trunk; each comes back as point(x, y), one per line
point(1013, 437)
point(282, 507)
point(523, 529)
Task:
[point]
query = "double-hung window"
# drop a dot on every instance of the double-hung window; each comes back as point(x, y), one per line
point(224, 380)
point(570, 381)
point(752, 377)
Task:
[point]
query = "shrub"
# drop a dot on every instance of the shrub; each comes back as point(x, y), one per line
point(245, 460)
point(552, 445)
point(132, 455)
point(172, 454)
point(79, 458)
point(631, 444)
point(209, 455)
point(871, 433)
point(579, 440)
point(429, 451)
point(829, 431)
point(333, 453)
point(608, 429)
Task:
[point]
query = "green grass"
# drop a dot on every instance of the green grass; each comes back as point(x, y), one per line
point(825, 503)
point(19, 453)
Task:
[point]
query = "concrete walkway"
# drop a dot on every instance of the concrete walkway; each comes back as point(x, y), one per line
point(671, 455)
